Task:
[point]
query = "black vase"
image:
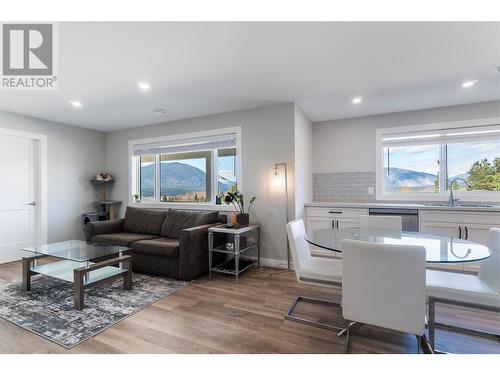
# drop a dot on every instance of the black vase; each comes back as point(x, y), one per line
point(243, 219)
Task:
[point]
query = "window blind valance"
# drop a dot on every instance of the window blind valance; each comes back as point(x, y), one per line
point(186, 145)
point(443, 136)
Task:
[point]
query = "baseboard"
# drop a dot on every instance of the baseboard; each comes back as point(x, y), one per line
point(274, 263)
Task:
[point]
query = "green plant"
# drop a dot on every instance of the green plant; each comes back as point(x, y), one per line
point(136, 196)
point(236, 198)
point(485, 175)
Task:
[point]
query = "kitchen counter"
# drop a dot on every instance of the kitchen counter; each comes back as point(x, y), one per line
point(417, 206)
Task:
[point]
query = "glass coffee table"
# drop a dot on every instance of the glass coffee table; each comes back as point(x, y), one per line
point(79, 263)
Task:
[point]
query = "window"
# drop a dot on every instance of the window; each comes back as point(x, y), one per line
point(192, 169)
point(183, 177)
point(147, 182)
point(423, 161)
point(226, 169)
point(411, 168)
point(476, 162)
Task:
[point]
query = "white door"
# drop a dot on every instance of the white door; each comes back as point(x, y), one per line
point(18, 196)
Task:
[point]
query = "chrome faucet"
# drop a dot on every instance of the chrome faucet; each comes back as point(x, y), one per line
point(451, 200)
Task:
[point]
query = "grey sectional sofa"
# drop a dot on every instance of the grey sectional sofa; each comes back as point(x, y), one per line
point(171, 243)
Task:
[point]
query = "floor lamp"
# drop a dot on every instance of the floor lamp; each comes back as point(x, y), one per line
point(276, 177)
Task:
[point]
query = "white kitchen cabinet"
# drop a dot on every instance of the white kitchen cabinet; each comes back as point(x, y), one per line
point(338, 217)
point(467, 225)
point(314, 223)
point(331, 217)
point(442, 229)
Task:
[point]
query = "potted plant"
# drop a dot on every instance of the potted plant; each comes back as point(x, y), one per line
point(137, 198)
point(237, 200)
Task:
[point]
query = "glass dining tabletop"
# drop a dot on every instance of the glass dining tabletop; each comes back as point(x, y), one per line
point(439, 249)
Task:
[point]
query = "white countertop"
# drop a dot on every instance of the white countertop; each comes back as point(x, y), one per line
point(401, 205)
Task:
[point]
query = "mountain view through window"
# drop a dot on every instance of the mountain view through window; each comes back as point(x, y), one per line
point(187, 177)
point(415, 168)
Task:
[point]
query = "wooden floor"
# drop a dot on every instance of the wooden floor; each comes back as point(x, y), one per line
point(221, 316)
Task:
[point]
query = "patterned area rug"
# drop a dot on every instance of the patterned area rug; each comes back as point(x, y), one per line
point(47, 309)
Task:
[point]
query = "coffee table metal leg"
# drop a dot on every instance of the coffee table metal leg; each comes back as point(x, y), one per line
point(27, 274)
point(79, 287)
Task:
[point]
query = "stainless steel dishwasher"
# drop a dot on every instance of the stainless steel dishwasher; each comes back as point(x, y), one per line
point(409, 216)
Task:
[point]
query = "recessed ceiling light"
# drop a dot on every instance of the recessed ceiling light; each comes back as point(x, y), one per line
point(469, 83)
point(160, 111)
point(143, 85)
point(357, 100)
point(75, 103)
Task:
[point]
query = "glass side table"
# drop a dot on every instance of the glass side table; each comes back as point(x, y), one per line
point(244, 238)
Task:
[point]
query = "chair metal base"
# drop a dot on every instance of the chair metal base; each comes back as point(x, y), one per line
point(289, 315)
point(423, 344)
point(433, 324)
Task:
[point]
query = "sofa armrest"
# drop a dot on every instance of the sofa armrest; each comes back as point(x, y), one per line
point(94, 228)
point(193, 251)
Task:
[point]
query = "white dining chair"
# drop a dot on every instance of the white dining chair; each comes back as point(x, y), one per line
point(393, 223)
point(480, 291)
point(311, 270)
point(384, 285)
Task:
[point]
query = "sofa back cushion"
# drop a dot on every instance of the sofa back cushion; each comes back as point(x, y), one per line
point(177, 220)
point(141, 220)
point(208, 217)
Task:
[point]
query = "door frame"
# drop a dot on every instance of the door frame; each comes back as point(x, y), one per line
point(41, 153)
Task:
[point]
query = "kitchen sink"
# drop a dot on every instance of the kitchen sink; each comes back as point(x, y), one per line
point(458, 205)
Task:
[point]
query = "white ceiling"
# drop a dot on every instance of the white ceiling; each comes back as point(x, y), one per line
point(196, 69)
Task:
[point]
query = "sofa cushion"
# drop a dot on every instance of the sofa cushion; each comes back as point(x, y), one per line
point(167, 247)
point(140, 220)
point(121, 239)
point(177, 220)
point(208, 217)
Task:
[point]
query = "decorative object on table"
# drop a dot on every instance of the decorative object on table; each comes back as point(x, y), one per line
point(277, 181)
point(101, 182)
point(52, 316)
point(237, 246)
point(137, 198)
point(232, 219)
point(103, 176)
point(236, 198)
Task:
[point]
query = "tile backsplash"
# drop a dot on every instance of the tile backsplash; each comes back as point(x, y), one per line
point(353, 187)
point(346, 186)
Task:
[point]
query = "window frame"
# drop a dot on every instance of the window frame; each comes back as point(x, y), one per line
point(442, 195)
point(134, 170)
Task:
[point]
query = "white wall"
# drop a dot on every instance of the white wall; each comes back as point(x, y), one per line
point(303, 162)
point(74, 155)
point(349, 145)
point(267, 138)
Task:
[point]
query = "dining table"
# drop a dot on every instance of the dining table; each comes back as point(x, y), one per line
point(439, 249)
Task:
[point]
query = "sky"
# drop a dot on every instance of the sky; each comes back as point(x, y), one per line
point(460, 156)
